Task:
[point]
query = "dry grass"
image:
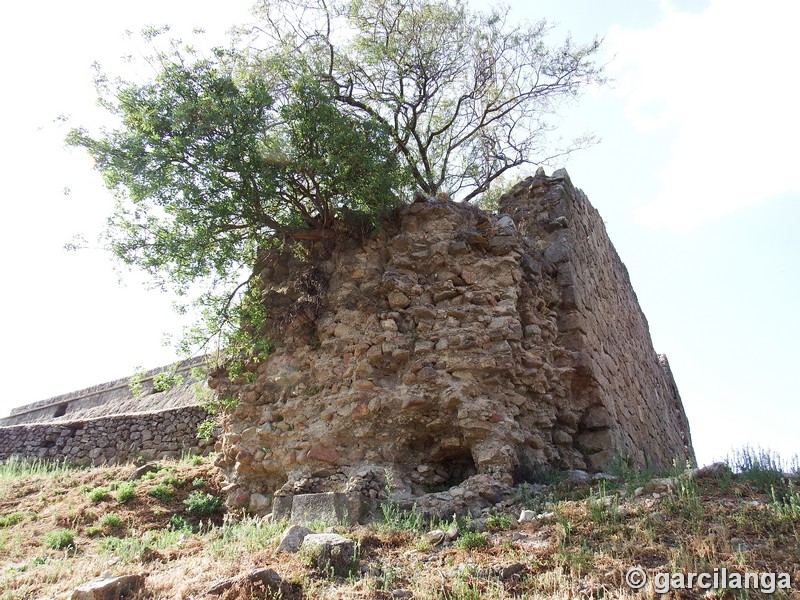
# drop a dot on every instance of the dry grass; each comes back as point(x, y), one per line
point(582, 550)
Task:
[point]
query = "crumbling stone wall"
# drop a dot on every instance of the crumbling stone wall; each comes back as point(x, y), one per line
point(115, 439)
point(457, 348)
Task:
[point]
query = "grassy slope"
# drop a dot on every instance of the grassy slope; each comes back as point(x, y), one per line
point(582, 547)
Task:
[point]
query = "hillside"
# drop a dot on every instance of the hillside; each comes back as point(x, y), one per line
point(61, 527)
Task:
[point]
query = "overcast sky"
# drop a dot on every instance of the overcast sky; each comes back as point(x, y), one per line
point(695, 177)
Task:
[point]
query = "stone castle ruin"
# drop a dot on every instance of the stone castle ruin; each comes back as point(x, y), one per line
point(454, 354)
point(451, 356)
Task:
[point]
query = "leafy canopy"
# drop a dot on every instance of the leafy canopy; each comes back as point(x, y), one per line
point(211, 163)
point(466, 95)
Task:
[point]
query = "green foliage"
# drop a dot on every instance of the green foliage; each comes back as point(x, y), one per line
point(14, 467)
point(172, 480)
point(215, 407)
point(762, 467)
point(99, 494)
point(179, 523)
point(198, 482)
point(162, 492)
point(135, 383)
point(201, 504)
point(111, 520)
point(205, 430)
point(11, 519)
point(215, 160)
point(125, 491)
point(471, 539)
point(498, 521)
point(60, 539)
point(466, 95)
point(166, 381)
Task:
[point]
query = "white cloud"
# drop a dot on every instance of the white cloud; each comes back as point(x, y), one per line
point(724, 82)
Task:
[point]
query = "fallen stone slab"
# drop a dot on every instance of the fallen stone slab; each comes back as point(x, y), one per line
point(330, 553)
point(328, 507)
point(108, 587)
point(265, 576)
point(293, 538)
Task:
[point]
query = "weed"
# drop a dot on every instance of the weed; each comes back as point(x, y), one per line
point(99, 494)
point(471, 539)
point(111, 520)
point(166, 381)
point(196, 460)
point(173, 481)
point(498, 521)
point(125, 491)
point(179, 523)
point(198, 482)
point(22, 467)
point(162, 492)
point(201, 503)
point(11, 519)
point(60, 539)
point(93, 531)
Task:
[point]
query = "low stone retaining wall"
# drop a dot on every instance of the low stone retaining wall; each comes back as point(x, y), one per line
point(113, 439)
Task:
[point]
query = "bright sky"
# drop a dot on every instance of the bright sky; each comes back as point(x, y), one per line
point(695, 177)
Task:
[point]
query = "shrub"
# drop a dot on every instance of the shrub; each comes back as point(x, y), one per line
point(179, 523)
point(111, 520)
point(125, 491)
point(471, 539)
point(166, 381)
point(498, 521)
point(198, 482)
point(173, 481)
point(99, 494)
point(60, 539)
point(11, 519)
point(201, 504)
point(162, 492)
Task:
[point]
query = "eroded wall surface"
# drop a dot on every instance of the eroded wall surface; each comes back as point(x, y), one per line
point(457, 344)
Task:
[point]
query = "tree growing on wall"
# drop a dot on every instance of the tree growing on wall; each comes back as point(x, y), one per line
point(210, 163)
point(467, 96)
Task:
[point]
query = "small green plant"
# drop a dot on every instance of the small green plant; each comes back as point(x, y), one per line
point(498, 521)
point(11, 519)
point(162, 492)
point(172, 480)
point(471, 539)
point(125, 491)
point(196, 460)
point(201, 504)
point(99, 494)
point(205, 430)
point(135, 383)
point(179, 523)
point(166, 380)
point(93, 531)
point(110, 520)
point(198, 482)
point(60, 539)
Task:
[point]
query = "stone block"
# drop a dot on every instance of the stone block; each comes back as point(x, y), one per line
point(328, 507)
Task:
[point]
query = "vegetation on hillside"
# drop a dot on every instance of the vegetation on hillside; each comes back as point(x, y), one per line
point(582, 539)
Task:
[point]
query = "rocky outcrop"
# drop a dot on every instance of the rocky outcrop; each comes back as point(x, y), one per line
point(457, 349)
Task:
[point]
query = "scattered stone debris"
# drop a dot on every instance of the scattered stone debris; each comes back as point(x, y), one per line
point(330, 553)
point(108, 587)
point(267, 578)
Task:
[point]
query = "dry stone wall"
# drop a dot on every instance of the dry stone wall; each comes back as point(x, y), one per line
point(116, 439)
point(459, 350)
point(107, 424)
